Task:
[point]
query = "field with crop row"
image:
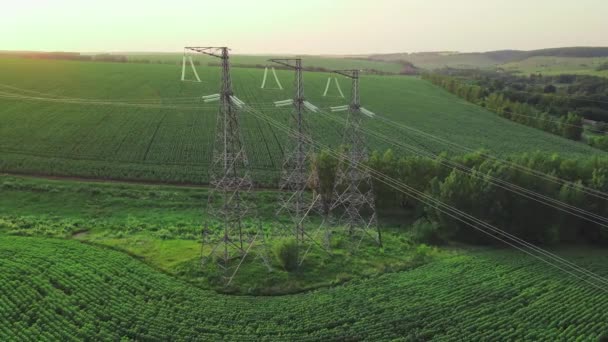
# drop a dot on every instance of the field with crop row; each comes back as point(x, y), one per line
point(66, 290)
point(138, 121)
point(327, 62)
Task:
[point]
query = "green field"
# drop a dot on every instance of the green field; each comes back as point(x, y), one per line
point(95, 260)
point(559, 65)
point(327, 62)
point(65, 290)
point(138, 121)
point(102, 261)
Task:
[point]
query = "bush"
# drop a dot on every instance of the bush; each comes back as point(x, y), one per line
point(164, 234)
point(286, 253)
point(424, 253)
point(425, 231)
point(599, 142)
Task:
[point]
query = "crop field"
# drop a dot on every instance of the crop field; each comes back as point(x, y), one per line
point(94, 260)
point(138, 121)
point(327, 62)
point(73, 291)
point(559, 65)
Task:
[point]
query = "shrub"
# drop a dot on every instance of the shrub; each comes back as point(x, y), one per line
point(599, 142)
point(286, 253)
point(424, 253)
point(426, 231)
point(164, 234)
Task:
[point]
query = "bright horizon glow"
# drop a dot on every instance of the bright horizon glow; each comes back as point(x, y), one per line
point(310, 27)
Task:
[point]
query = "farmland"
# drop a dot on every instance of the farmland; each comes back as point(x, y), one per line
point(326, 62)
point(559, 65)
point(344, 171)
point(108, 260)
point(438, 60)
point(573, 60)
point(138, 122)
point(91, 292)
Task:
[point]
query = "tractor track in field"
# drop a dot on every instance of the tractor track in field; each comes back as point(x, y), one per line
point(160, 122)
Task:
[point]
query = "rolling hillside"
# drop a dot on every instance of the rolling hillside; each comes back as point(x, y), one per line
point(559, 65)
point(138, 121)
point(568, 60)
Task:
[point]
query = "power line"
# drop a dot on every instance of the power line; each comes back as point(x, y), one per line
point(530, 194)
point(453, 212)
point(101, 103)
point(587, 190)
point(530, 171)
point(151, 99)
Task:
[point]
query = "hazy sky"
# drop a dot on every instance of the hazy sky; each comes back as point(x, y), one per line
point(306, 27)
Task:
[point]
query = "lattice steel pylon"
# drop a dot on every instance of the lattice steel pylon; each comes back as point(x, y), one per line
point(297, 175)
point(230, 181)
point(353, 188)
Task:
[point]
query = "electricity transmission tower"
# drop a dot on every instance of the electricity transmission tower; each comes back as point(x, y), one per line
point(189, 58)
point(335, 79)
point(230, 180)
point(353, 191)
point(297, 175)
point(276, 79)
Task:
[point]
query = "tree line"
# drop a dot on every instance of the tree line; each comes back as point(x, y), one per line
point(583, 95)
point(524, 110)
point(473, 193)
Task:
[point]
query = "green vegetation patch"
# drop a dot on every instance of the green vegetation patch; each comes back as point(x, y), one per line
point(139, 122)
point(65, 290)
point(162, 226)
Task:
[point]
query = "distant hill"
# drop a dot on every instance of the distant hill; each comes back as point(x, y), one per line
point(569, 52)
point(441, 59)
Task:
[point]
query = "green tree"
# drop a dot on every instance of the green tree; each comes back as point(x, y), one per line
point(287, 254)
point(325, 164)
point(572, 126)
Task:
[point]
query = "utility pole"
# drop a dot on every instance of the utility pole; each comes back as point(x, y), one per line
point(230, 180)
point(353, 190)
point(297, 175)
